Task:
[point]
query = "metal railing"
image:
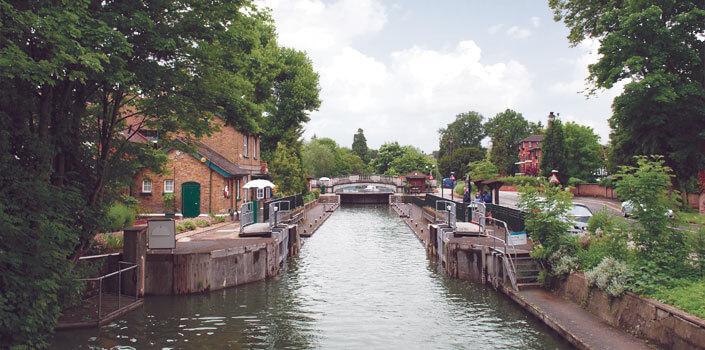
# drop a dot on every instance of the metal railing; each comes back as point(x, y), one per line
point(449, 208)
point(247, 215)
point(119, 273)
point(277, 210)
point(383, 179)
point(506, 255)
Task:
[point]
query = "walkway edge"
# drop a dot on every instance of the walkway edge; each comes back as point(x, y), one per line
point(547, 320)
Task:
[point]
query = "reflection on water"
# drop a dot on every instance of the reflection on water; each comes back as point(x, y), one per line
point(362, 281)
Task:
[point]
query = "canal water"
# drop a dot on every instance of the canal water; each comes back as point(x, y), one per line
point(362, 281)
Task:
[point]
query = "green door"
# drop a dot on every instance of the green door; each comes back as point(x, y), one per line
point(190, 199)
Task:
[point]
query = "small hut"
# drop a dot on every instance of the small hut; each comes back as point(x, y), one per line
point(416, 182)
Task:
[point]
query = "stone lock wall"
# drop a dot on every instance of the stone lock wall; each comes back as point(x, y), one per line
point(649, 319)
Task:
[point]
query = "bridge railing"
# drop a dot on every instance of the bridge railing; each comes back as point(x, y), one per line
point(383, 179)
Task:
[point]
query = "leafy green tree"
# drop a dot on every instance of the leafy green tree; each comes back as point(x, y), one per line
point(351, 163)
point(458, 160)
point(287, 170)
point(359, 146)
point(546, 207)
point(465, 131)
point(656, 47)
point(583, 151)
point(294, 95)
point(412, 159)
point(319, 159)
point(483, 170)
point(506, 129)
point(387, 153)
point(553, 150)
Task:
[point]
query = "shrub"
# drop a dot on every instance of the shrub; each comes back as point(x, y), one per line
point(169, 201)
point(609, 244)
point(202, 223)
point(521, 180)
point(112, 242)
point(189, 225)
point(545, 207)
point(574, 181)
point(120, 216)
point(610, 275)
point(565, 265)
point(180, 227)
point(459, 189)
point(696, 247)
point(312, 195)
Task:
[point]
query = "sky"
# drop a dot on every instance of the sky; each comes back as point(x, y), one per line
point(401, 70)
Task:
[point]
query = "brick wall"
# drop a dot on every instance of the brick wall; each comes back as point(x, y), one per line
point(181, 168)
point(229, 143)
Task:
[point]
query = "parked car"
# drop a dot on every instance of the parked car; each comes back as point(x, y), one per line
point(579, 216)
point(628, 209)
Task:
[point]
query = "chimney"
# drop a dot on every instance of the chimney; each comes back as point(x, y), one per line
point(551, 118)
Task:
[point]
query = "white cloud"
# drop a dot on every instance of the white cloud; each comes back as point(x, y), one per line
point(535, 21)
point(402, 96)
point(516, 32)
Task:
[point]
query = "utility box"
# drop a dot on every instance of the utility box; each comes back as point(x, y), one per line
point(161, 233)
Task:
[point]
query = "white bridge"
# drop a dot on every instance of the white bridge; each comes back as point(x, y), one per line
point(361, 183)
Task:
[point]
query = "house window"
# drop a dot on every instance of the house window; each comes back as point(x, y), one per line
point(254, 147)
point(168, 186)
point(245, 138)
point(237, 189)
point(146, 186)
point(260, 193)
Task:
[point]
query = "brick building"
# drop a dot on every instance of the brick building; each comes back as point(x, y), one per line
point(530, 155)
point(209, 179)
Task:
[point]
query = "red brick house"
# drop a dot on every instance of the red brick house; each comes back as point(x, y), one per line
point(530, 155)
point(208, 180)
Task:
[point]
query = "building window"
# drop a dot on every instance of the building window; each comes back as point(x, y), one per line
point(168, 186)
point(237, 189)
point(245, 140)
point(260, 193)
point(254, 147)
point(146, 186)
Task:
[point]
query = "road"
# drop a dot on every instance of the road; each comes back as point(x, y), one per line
point(510, 199)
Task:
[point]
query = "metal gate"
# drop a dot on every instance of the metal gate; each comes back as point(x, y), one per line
point(449, 208)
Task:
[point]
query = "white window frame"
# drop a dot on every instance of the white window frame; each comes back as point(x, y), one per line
point(166, 188)
point(260, 193)
point(245, 141)
point(146, 186)
point(237, 189)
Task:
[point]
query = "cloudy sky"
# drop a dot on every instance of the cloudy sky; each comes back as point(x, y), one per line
point(403, 69)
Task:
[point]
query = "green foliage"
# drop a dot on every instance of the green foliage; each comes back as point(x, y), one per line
point(169, 201)
point(120, 216)
point(387, 153)
point(687, 295)
point(574, 181)
point(112, 242)
point(647, 186)
point(553, 149)
point(506, 129)
point(545, 208)
point(655, 47)
point(611, 241)
point(483, 170)
point(521, 180)
point(457, 161)
point(696, 245)
point(312, 196)
point(610, 275)
point(216, 219)
point(189, 225)
point(202, 223)
point(465, 131)
point(287, 169)
point(584, 155)
point(459, 189)
point(323, 157)
point(359, 146)
point(412, 159)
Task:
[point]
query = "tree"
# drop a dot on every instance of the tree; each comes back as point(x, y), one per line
point(359, 146)
point(482, 170)
point(506, 130)
point(319, 159)
point(294, 95)
point(465, 131)
point(287, 170)
point(553, 150)
point(387, 153)
point(411, 159)
point(657, 48)
point(458, 160)
point(583, 151)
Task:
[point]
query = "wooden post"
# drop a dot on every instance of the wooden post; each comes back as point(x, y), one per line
point(134, 250)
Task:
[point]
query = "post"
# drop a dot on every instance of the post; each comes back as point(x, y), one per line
point(100, 297)
point(135, 251)
point(119, 290)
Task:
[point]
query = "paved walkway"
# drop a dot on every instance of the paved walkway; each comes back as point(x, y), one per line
point(581, 327)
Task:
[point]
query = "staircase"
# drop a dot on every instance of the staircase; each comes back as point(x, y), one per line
point(527, 270)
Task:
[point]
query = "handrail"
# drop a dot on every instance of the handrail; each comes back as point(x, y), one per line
point(119, 288)
point(91, 257)
point(506, 255)
point(110, 274)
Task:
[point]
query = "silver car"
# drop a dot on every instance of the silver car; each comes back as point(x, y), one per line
point(579, 216)
point(628, 209)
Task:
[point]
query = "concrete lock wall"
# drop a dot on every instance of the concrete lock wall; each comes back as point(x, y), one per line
point(646, 318)
point(167, 273)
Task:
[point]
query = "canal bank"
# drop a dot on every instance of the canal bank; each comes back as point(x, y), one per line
point(362, 281)
point(472, 258)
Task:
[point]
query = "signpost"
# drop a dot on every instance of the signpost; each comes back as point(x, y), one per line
point(517, 238)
